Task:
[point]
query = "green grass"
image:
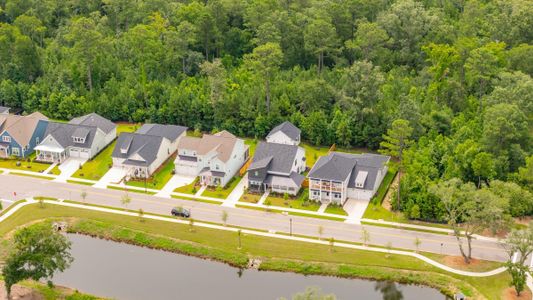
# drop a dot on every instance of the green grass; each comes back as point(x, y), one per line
point(276, 254)
point(384, 187)
point(298, 202)
point(158, 179)
point(196, 199)
point(24, 165)
point(190, 188)
point(31, 175)
point(252, 143)
point(130, 190)
point(336, 210)
point(80, 182)
point(222, 193)
point(378, 212)
point(313, 153)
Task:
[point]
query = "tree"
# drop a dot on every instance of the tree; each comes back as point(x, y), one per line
point(125, 200)
point(320, 39)
point(320, 230)
point(38, 252)
point(518, 242)
point(395, 142)
point(239, 233)
point(365, 236)
point(312, 293)
point(331, 244)
point(83, 195)
point(370, 41)
point(265, 61)
point(216, 75)
point(518, 274)
point(483, 167)
point(224, 217)
point(141, 214)
point(470, 211)
point(417, 243)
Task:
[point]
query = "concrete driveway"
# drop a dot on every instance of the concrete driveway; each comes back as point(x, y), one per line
point(355, 209)
point(114, 175)
point(69, 167)
point(175, 182)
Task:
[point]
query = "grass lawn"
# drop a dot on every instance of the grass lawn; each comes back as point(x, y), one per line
point(252, 143)
point(276, 254)
point(384, 187)
point(190, 188)
point(159, 178)
point(101, 163)
point(24, 165)
point(250, 198)
point(335, 209)
point(299, 202)
point(222, 193)
point(313, 153)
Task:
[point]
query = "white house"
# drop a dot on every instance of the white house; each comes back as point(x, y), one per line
point(284, 133)
point(215, 158)
point(82, 137)
point(278, 168)
point(339, 176)
point(141, 153)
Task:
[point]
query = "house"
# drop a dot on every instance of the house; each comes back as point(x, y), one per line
point(4, 110)
point(277, 167)
point(82, 137)
point(215, 158)
point(141, 153)
point(339, 176)
point(20, 134)
point(284, 133)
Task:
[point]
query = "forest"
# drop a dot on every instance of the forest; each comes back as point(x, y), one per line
point(455, 74)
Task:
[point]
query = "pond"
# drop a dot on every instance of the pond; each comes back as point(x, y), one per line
point(123, 271)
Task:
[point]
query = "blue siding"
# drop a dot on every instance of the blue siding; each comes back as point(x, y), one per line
point(37, 137)
point(12, 144)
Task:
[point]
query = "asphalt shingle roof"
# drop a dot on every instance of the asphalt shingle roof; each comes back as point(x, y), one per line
point(170, 132)
point(278, 157)
point(63, 133)
point(144, 145)
point(94, 119)
point(288, 128)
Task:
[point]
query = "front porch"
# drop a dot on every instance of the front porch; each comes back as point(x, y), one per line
point(212, 178)
point(4, 150)
point(50, 155)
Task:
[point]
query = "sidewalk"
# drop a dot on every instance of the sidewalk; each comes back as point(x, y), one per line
point(236, 194)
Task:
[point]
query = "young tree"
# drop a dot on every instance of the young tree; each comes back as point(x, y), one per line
point(519, 243)
point(265, 61)
point(41, 202)
point(38, 252)
point(518, 274)
point(365, 236)
point(483, 167)
point(239, 233)
point(417, 242)
point(191, 225)
point(470, 211)
point(331, 244)
point(216, 75)
point(125, 200)
point(395, 142)
point(83, 195)
point(141, 214)
point(224, 217)
point(320, 231)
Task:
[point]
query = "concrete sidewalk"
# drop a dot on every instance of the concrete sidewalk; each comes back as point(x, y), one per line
point(236, 194)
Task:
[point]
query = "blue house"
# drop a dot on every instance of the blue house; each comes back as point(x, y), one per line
point(19, 135)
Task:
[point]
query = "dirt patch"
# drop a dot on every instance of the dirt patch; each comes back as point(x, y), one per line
point(510, 294)
point(392, 189)
point(459, 262)
point(20, 293)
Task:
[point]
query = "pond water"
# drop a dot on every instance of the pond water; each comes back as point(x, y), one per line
point(122, 271)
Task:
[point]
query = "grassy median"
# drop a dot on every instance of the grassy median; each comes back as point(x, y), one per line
point(276, 254)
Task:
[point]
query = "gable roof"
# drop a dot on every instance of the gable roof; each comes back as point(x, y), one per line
point(4, 110)
point(21, 128)
point(170, 132)
point(223, 143)
point(140, 149)
point(288, 129)
point(279, 158)
point(64, 132)
point(94, 119)
point(338, 166)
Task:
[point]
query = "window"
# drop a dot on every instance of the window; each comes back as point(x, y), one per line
point(295, 161)
point(256, 173)
point(217, 167)
point(15, 151)
point(6, 139)
point(37, 140)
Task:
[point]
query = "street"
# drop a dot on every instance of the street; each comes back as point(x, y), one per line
point(398, 238)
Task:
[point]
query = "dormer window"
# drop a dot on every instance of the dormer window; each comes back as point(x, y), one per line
point(6, 139)
point(78, 140)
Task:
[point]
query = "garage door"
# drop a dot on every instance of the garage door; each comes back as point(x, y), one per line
point(186, 170)
point(74, 152)
point(84, 153)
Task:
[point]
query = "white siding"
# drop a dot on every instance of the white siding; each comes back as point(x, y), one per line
point(281, 138)
point(162, 156)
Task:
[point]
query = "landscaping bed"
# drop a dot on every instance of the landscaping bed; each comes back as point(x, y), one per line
point(222, 193)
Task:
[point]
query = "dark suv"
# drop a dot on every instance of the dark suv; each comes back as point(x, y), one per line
point(180, 212)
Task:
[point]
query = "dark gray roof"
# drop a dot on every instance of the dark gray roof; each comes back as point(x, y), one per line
point(297, 178)
point(94, 119)
point(288, 128)
point(338, 166)
point(63, 133)
point(279, 158)
point(146, 146)
point(294, 177)
point(4, 110)
point(170, 132)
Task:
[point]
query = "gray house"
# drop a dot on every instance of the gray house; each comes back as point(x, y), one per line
point(82, 137)
point(141, 153)
point(339, 176)
point(277, 167)
point(284, 133)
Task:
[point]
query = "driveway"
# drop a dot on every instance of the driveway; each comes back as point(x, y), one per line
point(114, 175)
point(175, 182)
point(355, 209)
point(69, 167)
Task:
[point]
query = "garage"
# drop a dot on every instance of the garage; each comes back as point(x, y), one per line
point(359, 194)
point(79, 153)
point(186, 170)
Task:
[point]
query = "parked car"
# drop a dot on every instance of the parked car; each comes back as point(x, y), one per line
point(180, 212)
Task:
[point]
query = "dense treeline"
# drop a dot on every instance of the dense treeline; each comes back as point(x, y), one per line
point(343, 70)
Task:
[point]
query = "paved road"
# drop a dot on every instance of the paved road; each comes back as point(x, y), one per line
point(436, 243)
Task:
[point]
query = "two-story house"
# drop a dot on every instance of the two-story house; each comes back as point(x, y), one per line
point(82, 137)
point(284, 133)
point(214, 158)
point(19, 135)
point(339, 176)
point(141, 153)
point(277, 167)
